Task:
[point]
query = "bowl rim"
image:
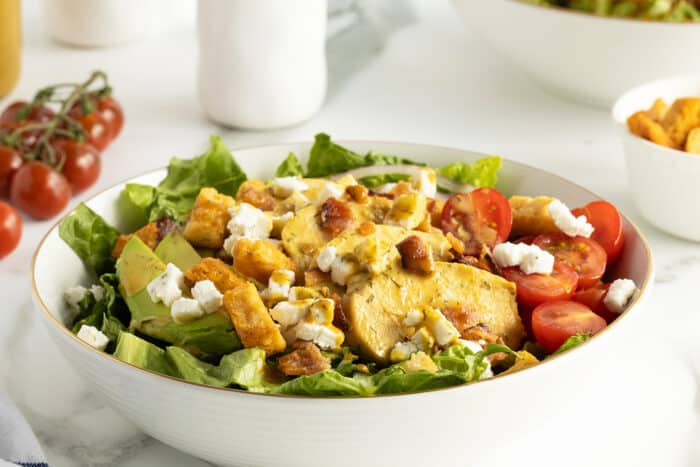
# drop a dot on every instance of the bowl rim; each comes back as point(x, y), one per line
point(556, 9)
point(621, 120)
point(110, 358)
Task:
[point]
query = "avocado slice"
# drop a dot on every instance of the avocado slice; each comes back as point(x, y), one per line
point(174, 248)
point(143, 354)
point(209, 336)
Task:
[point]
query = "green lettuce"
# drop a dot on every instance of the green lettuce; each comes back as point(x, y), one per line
point(571, 342)
point(373, 181)
point(290, 167)
point(143, 354)
point(90, 237)
point(481, 173)
point(326, 383)
point(175, 194)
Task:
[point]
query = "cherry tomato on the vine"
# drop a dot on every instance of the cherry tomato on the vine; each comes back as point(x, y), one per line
point(39, 190)
point(97, 132)
point(36, 114)
point(10, 228)
point(10, 162)
point(112, 113)
point(81, 163)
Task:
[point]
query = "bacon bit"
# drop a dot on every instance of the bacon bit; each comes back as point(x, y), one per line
point(456, 243)
point(339, 319)
point(358, 193)
point(481, 263)
point(336, 216)
point(165, 226)
point(461, 317)
point(481, 333)
point(256, 193)
point(306, 359)
point(367, 228)
point(416, 256)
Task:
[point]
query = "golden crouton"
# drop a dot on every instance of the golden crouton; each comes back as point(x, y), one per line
point(259, 258)
point(692, 145)
point(658, 110)
point(251, 319)
point(256, 193)
point(206, 226)
point(149, 233)
point(531, 216)
point(220, 273)
point(642, 125)
point(683, 116)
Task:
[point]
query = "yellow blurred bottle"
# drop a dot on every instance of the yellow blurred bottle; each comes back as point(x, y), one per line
point(10, 37)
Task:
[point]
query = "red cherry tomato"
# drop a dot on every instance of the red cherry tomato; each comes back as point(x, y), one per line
point(36, 114)
point(10, 162)
point(480, 217)
point(10, 228)
point(533, 289)
point(554, 322)
point(584, 255)
point(97, 132)
point(81, 163)
point(607, 222)
point(112, 113)
point(593, 298)
point(39, 190)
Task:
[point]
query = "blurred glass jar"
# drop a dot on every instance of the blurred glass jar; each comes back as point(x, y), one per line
point(262, 63)
point(10, 42)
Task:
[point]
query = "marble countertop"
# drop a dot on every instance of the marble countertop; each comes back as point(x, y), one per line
point(432, 82)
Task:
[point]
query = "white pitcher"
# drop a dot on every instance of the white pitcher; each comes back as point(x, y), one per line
point(262, 63)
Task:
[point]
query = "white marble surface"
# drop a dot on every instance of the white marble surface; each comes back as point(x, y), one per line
point(432, 83)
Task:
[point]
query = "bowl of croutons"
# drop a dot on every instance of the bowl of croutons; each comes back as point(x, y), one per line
point(659, 124)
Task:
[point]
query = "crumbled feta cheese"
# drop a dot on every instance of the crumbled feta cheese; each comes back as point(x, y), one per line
point(530, 258)
point(278, 285)
point(619, 294)
point(168, 286)
point(282, 187)
point(321, 311)
point(325, 337)
point(475, 347)
point(325, 258)
point(568, 223)
point(330, 190)
point(249, 222)
point(185, 309)
point(289, 313)
point(423, 339)
point(413, 318)
point(402, 351)
point(97, 291)
point(342, 269)
point(301, 293)
point(425, 182)
point(93, 337)
point(441, 328)
point(74, 295)
point(207, 295)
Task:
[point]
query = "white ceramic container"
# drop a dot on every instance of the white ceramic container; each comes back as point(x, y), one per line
point(98, 23)
point(262, 64)
point(465, 425)
point(587, 58)
point(665, 182)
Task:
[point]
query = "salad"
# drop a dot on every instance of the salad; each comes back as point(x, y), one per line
point(659, 10)
point(357, 275)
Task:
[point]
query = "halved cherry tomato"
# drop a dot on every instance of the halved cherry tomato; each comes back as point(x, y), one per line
point(554, 322)
point(480, 217)
point(584, 255)
point(39, 190)
point(533, 289)
point(97, 132)
point(10, 228)
point(593, 298)
point(81, 163)
point(606, 220)
point(10, 162)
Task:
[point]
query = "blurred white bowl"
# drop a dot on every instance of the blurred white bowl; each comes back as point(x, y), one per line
point(587, 58)
point(665, 182)
point(477, 424)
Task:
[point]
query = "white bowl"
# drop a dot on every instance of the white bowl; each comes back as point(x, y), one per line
point(664, 181)
point(588, 58)
point(442, 427)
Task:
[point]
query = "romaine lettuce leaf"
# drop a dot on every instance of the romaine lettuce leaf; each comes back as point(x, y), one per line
point(290, 167)
point(373, 181)
point(143, 354)
point(109, 314)
point(325, 383)
point(245, 368)
point(175, 194)
point(573, 341)
point(481, 173)
point(396, 380)
point(90, 237)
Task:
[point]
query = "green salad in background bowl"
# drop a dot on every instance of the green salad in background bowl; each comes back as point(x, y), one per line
point(658, 10)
